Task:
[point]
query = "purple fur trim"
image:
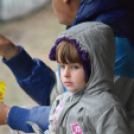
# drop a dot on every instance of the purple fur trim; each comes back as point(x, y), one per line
point(82, 54)
point(52, 53)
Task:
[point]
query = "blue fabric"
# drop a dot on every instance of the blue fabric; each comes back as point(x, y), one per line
point(18, 117)
point(118, 14)
point(124, 63)
point(16, 64)
point(121, 21)
point(37, 80)
point(43, 119)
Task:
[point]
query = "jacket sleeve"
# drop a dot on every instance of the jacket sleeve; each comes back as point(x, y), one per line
point(113, 121)
point(17, 118)
point(33, 76)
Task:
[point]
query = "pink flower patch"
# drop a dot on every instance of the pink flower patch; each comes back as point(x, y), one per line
point(59, 107)
point(76, 129)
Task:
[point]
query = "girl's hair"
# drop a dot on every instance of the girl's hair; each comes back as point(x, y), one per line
point(67, 53)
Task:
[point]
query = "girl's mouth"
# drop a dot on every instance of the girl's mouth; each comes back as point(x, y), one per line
point(67, 83)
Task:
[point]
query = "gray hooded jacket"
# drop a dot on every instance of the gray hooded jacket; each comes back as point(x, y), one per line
point(92, 109)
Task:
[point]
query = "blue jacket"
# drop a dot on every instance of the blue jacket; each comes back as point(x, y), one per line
point(37, 80)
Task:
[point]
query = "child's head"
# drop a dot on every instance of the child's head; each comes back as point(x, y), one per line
point(72, 73)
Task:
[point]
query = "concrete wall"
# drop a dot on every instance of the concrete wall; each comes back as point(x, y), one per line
point(10, 9)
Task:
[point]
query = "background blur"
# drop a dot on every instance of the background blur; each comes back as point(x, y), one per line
point(36, 30)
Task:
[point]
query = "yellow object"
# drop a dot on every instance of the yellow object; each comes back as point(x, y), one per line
point(2, 90)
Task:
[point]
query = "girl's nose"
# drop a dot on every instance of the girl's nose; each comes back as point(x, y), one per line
point(67, 72)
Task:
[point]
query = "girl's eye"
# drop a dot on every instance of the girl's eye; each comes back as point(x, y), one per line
point(62, 66)
point(75, 67)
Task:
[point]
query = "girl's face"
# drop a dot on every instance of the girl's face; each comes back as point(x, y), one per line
point(72, 76)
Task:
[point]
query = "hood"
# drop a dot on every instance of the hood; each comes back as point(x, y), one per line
point(96, 39)
point(118, 14)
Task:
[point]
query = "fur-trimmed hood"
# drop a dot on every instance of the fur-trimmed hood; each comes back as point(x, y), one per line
point(93, 109)
point(97, 39)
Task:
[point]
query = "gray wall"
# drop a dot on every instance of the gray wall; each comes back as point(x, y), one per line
point(10, 9)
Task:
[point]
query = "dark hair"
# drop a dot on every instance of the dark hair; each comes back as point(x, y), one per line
point(67, 53)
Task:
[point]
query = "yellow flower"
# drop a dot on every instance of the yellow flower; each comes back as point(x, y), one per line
point(2, 90)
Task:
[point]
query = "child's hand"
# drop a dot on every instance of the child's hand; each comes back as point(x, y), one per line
point(7, 48)
point(3, 113)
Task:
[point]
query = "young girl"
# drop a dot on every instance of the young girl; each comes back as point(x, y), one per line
point(86, 55)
